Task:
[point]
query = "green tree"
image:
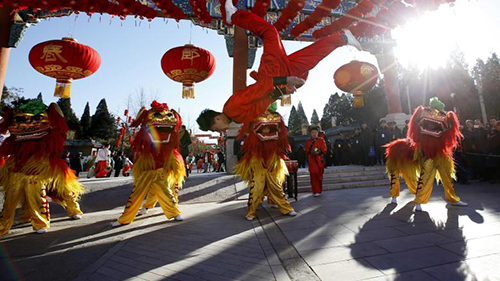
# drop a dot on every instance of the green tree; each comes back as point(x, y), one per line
point(85, 122)
point(302, 115)
point(11, 97)
point(293, 122)
point(490, 76)
point(103, 124)
point(69, 114)
point(314, 118)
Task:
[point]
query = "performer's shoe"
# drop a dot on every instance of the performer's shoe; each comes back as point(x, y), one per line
point(143, 211)
point(317, 194)
point(227, 9)
point(292, 214)
point(41, 231)
point(418, 208)
point(394, 200)
point(178, 218)
point(76, 217)
point(116, 223)
point(351, 40)
point(250, 218)
point(460, 203)
point(273, 206)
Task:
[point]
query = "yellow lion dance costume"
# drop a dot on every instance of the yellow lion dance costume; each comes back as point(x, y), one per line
point(159, 168)
point(263, 167)
point(33, 168)
point(425, 154)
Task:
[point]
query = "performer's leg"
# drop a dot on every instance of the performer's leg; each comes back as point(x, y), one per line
point(395, 184)
point(411, 181)
point(445, 170)
point(134, 203)
point(72, 206)
point(12, 197)
point(24, 213)
point(315, 185)
point(36, 198)
point(264, 30)
point(150, 200)
point(307, 58)
point(256, 192)
point(166, 198)
point(275, 192)
point(425, 182)
point(320, 178)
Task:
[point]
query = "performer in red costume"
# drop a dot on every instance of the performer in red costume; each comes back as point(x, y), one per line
point(279, 74)
point(315, 149)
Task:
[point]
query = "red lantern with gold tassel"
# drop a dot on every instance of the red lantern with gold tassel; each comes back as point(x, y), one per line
point(188, 65)
point(356, 77)
point(65, 60)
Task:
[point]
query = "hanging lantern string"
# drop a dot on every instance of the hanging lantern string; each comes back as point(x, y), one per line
point(190, 32)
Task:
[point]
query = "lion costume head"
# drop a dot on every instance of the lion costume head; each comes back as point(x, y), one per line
point(159, 133)
point(265, 136)
point(35, 130)
point(434, 130)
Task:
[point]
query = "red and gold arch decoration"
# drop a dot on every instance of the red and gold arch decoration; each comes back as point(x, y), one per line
point(188, 65)
point(356, 77)
point(65, 60)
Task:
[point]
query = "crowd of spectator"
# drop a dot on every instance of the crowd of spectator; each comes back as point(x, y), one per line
point(478, 156)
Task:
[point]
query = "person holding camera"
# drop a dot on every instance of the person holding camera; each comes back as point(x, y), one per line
point(315, 149)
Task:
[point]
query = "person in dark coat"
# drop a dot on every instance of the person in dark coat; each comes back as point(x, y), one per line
point(185, 140)
point(301, 156)
point(118, 159)
point(76, 163)
point(366, 139)
point(381, 139)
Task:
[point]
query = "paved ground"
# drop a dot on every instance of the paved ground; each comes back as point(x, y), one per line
point(343, 235)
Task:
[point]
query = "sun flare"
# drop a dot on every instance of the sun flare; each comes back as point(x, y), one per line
point(429, 40)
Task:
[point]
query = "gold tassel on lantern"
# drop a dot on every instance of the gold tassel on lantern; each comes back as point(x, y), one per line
point(188, 91)
point(358, 99)
point(63, 89)
point(286, 100)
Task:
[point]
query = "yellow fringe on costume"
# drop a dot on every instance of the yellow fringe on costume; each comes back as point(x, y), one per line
point(275, 166)
point(59, 182)
point(30, 186)
point(173, 171)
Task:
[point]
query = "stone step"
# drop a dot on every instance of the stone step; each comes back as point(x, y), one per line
point(350, 171)
point(346, 185)
point(305, 180)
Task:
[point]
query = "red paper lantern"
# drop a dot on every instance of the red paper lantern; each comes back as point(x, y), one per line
point(356, 77)
point(188, 65)
point(65, 60)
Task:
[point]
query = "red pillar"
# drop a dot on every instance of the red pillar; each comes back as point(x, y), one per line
point(391, 81)
point(240, 59)
point(5, 23)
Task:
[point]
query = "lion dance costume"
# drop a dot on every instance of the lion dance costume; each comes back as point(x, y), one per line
point(425, 154)
point(159, 168)
point(33, 168)
point(263, 167)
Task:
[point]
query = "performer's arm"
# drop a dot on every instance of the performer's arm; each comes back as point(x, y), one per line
point(322, 147)
point(308, 146)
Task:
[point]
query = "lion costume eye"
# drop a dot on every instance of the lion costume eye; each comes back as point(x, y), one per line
point(20, 119)
point(157, 115)
point(38, 117)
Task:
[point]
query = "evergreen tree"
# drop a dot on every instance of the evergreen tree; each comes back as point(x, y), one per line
point(40, 97)
point(85, 122)
point(326, 120)
point(491, 85)
point(302, 115)
point(314, 118)
point(103, 125)
point(69, 114)
point(293, 122)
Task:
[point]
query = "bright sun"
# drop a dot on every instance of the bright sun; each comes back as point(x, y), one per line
point(429, 40)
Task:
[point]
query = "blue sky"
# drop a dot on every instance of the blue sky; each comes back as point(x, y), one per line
point(131, 58)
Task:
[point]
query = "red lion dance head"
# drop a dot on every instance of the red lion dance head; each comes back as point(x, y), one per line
point(267, 135)
point(434, 130)
point(159, 133)
point(35, 130)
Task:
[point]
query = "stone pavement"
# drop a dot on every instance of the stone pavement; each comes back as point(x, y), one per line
point(350, 234)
